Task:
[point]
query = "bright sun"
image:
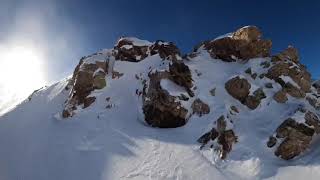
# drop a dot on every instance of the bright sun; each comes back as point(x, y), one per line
point(21, 70)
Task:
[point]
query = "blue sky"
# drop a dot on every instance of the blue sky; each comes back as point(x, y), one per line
point(69, 29)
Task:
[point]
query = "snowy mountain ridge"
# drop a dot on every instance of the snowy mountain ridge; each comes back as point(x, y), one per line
point(142, 110)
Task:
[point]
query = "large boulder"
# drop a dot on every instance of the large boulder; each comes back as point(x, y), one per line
point(87, 77)
point(181, 75)
point(245, 44)
point(297, 137)
point(239, 88)
point(160, 108)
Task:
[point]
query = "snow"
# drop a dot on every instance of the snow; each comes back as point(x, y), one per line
point(137, 42)
point(99, 143)
point(172, 88)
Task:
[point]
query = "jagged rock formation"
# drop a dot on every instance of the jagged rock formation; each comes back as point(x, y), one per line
point(170, 96)
point(245, 44)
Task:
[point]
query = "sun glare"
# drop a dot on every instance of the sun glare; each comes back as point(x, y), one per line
point(21, 70)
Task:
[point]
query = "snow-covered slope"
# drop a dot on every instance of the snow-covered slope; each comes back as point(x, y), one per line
point(110, 138)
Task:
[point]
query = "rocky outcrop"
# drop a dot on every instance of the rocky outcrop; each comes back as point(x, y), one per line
point(223, 137)
point(244, 44)
point(295, 137)
point(239, 88)
point(86, 78)
point(181, 75)
point(159, 107)
point(135, 50)
point(286, 66)
point(200, 108)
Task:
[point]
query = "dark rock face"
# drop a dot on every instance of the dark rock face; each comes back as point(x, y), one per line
point(254, 100)
point(181, 75)
point(160, 108)
point(280, 96)
point(287, 63)
point(224, 138)
point(238, 88)
point(313, 120)
point(127, 50)
point(296, 138)
point(245, 43)
point(165, 50)
point(200, 108)
point(85, 79)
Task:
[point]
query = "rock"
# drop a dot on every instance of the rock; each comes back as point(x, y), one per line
point(248, 71)
point(86, 78)
point(213, 92)
point(126, 50)
point(297, 73)
point(181, 75)
point(234, 109)
point(280, 96)
point(268, 85)
point(225, 138)
point(290, 54)
point(248, 33)
point(160, 108)
point(244, 44)
point(265, 64)
point(312, 120)
point(211, 135)
point(314, 101)
point(271, 142)
point(294, 91)
point(88, 101)
point(165, 50)
point(297, 138)
point(254, 75)
point(253, 101)
point(238, 88)
point(200, 108)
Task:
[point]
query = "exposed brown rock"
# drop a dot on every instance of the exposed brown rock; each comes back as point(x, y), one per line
point(238, 88)
point(244, 44)
point(127, 51)
point(294, 91)
point(290, 53)
point(165, 50)
point(313, 120)
point(85, 79)
point(200, 108)
point(280, 96)
point(297, 138)
point(160, 108)
point(181, 75)
point(225, 138)
point(88, 101)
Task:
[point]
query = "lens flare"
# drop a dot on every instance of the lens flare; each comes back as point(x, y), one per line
point(21, 72)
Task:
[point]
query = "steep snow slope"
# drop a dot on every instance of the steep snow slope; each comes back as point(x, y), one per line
point(110, 139)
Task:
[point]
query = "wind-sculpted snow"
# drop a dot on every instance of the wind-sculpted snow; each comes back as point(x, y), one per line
point(138, 86)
